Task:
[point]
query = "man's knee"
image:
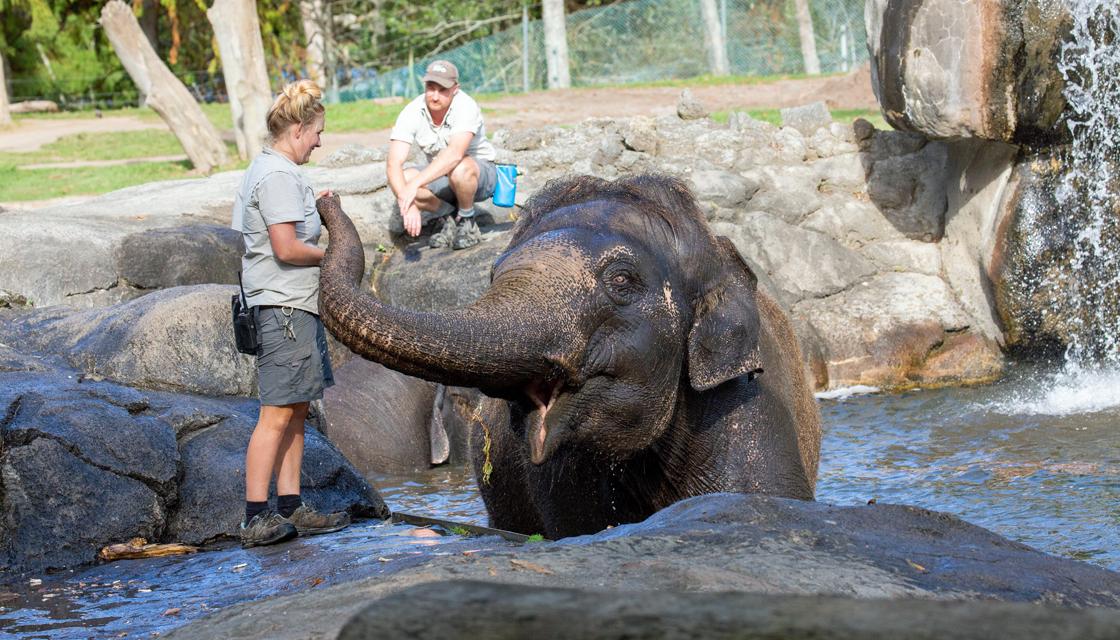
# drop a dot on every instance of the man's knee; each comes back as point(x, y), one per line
point(466, 170)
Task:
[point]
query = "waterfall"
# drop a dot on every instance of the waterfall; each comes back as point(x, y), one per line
point(1088, 197)
point(1090, 191)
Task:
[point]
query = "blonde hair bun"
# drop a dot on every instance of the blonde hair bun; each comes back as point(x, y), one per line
point(297, 103)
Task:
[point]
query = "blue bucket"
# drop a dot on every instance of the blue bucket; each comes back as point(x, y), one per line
point(506, 188)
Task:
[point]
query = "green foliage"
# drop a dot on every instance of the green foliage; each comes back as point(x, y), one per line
point(38, 184)
point(536, 537)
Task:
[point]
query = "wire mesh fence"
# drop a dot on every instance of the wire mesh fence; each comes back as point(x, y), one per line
point(625, 42)
point(641, 41)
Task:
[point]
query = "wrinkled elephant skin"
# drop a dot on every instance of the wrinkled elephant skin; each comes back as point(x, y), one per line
point(629, 358)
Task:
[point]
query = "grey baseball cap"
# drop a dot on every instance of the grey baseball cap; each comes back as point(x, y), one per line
point(442, 73)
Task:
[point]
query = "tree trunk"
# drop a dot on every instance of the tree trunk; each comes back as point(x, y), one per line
point(238, 31)
point(315, 35)
point(714, 40)
point(149, 20)
point(556, 44)
point(166, 94)
point(808, 38)
point(5, 112)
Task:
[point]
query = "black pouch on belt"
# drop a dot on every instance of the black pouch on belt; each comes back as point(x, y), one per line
point(244, 322)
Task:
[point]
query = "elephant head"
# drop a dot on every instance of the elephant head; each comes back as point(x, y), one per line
point(622, 334)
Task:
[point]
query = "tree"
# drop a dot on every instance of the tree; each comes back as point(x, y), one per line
point(165, 94)
point(714, 40)
point(238, 31)
point(808, 37)
point(316, 36)
point(5, 113)
point(556, 44)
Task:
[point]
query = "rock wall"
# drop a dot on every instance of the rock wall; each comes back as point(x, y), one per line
point(969, 68)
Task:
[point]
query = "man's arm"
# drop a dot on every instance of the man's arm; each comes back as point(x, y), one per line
point(394, 164)
point(447, 159)
point(441, 165)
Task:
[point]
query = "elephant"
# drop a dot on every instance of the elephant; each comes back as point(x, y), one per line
point(627, 356)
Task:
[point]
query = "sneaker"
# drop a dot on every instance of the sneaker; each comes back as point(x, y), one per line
point(310, 522)
point(467, 235)
point(443, 238)
point(266, 528)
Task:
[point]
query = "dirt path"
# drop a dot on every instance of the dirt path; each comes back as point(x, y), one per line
point(32, 134)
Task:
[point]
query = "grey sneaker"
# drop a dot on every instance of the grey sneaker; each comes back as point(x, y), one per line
point(310, 522)
point(443, 238)
point(467, 235)
point(265, 528)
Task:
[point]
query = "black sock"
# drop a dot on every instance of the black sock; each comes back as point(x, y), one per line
point(287, 505)
point(253, 508)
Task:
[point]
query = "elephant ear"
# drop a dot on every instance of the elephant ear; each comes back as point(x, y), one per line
point(724, 340)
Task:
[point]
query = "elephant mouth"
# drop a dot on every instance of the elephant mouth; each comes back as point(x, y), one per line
point(546, 416)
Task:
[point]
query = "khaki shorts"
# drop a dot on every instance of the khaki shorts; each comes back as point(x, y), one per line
point(487, 181)
point(291, 368)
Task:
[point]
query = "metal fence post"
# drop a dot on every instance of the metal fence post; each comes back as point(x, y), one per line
point(525, 47)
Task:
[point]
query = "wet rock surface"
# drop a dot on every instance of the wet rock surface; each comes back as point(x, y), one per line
point(723, 542)
point(123, 421)
point(473, 609)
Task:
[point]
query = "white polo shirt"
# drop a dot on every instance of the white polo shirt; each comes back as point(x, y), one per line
point(414, 124)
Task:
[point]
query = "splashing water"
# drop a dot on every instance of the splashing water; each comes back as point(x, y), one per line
point(1089, 193)
point(1090, 64)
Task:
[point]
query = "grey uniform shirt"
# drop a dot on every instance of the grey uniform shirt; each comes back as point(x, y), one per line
point(414, 124)
point(275, 190)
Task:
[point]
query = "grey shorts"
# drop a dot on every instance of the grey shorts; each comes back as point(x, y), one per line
point(487, 180)
point(291, 370)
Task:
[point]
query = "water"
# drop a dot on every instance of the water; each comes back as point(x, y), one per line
point(1089, 192)
point(1010, 457)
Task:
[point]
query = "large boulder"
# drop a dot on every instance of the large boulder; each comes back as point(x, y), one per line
point(177, 339)
point(472, 609)
point(797, 552)
point(947, 68)
point(84, 464)
point(121, 245)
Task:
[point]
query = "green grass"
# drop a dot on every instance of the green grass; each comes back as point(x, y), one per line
point(18, 184)
point(39, 184)
point(774, 116)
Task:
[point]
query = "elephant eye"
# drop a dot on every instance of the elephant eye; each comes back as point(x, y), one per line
point(622, 284)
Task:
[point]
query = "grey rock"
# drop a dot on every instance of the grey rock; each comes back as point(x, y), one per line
point(173, 256)
point(961, 69)
point(904, 255)
point(59, 510)
point(85, 464)
point(474, 608)
point(175, 339)
point(910, 190)
point(802, 264)
point(807, 118)
point(689, 108)
point(889, 330)
point(721, 187)
point(351, 154)
point(731, 543)
point(380, 419)
point(427, 279)
point(855, 223)
point(211, 496)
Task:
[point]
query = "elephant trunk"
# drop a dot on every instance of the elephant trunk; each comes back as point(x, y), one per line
point(484, 345)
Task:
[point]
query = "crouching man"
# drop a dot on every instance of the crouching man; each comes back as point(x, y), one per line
point(447, 125)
